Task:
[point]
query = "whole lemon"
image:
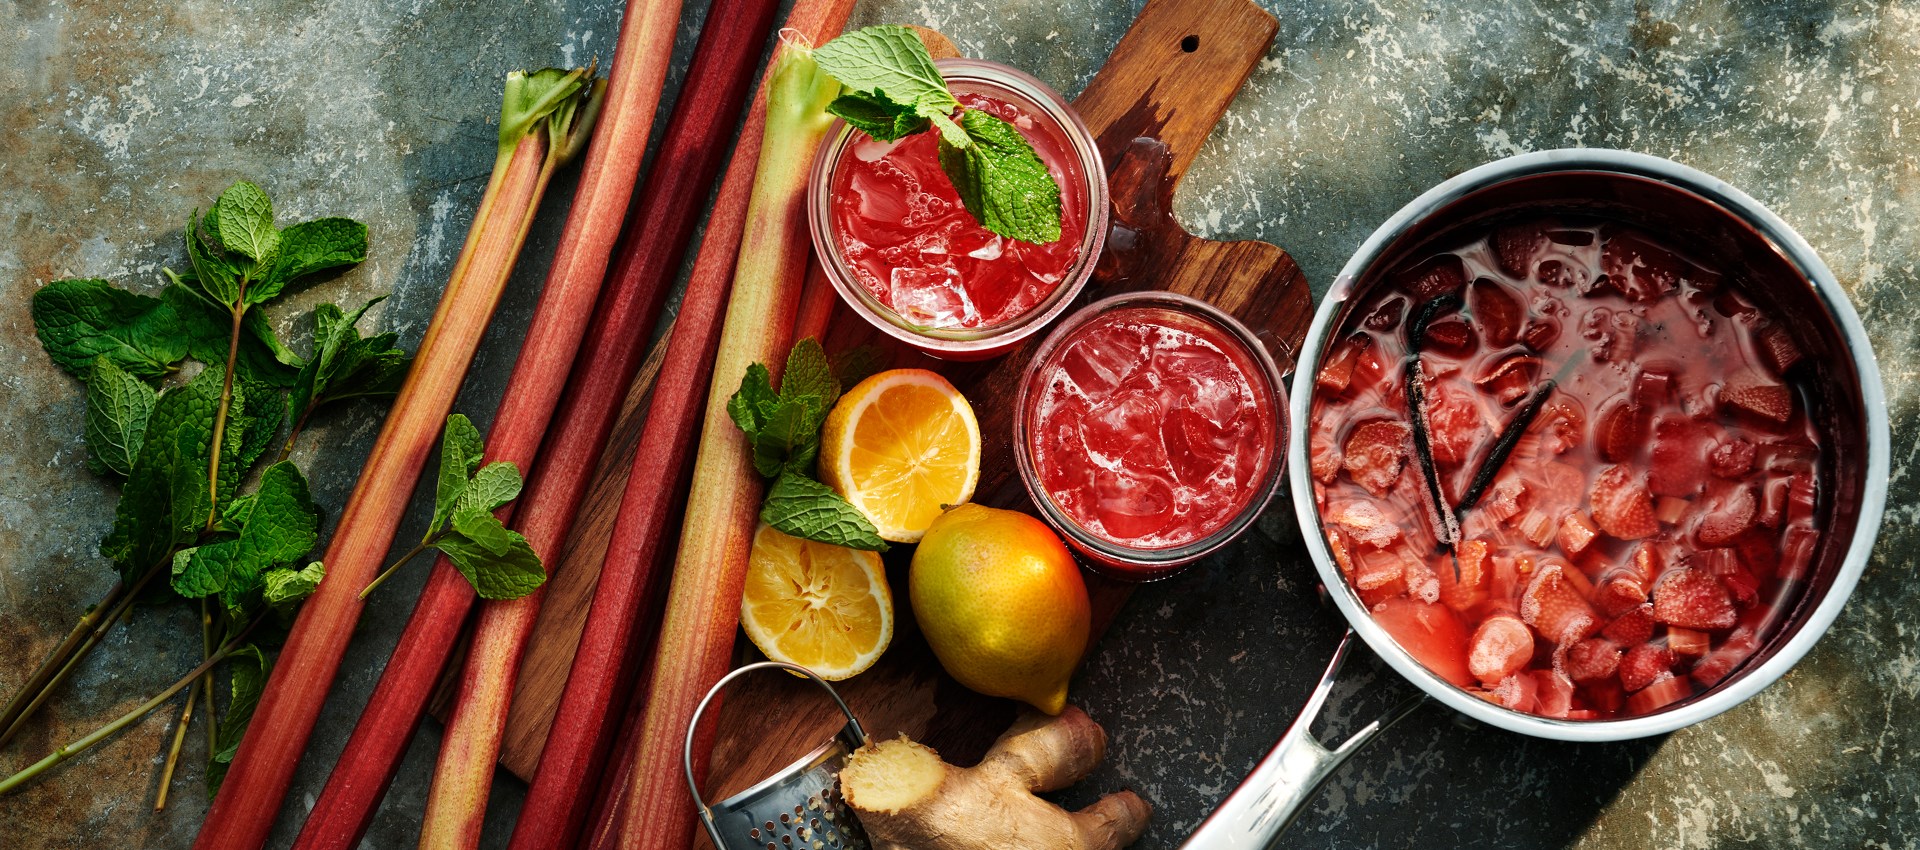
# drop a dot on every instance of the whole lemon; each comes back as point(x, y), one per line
point(1002, 604)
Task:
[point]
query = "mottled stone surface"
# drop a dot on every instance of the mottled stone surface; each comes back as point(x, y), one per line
point(117, 118)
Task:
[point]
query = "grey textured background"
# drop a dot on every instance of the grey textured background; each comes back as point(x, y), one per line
point(117, 118)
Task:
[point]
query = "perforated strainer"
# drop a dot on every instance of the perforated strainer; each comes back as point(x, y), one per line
point(799, 808)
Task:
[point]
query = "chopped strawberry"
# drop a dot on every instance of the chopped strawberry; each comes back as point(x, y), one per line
point(1643, 664)
point(1323, 455)
point(1364, 522)
point(1554, 607)
point(1728, 517)
point(1386, 315)
point(1422, 582)
point(1619, 593)
point(1576, 533)
point(1667, 509)
point(1796, 553)
point(1617, 432)
point(1470, 588)
point(1593, 659)
point(1621, 504)
point(1540, 333)
point(1516, 245)
point(1758, 397)
point(1660, 694)
point(1518, 692)
point(1553, 692)
point(1632, 628)
point(1511, 379)
point(1437, 276)
point(1559, 484)
point(1732, 459)
point(1455, 425)
point(1375, 453)
point(1337, 543)
point(1758, 553)
point(1450, 336)
point(1693, 599)
point(1727, 567)
point(1496, 312)
point(1687, 642)
point(1732, 652)
point(1500, 647)
point(1638, 269)
point(1778, 347)
point(1679, 463)
point(1430, 633)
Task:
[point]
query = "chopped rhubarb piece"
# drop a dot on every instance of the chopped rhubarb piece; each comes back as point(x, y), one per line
point(1540, 333)
point(1796, 553)
point(1375, 453)
point(1556, 273)
point(1450, 337)
point(1643, 664)
point(1377, 569)
point(1688, 642)
point(1785, 456)
point(1554, 693)
point(1647, 562)
point(1759, 554)
point(1516, 245)
point(1778, 347)
point(1632, 628)
point(1803, 498)
point(1496, 312)
point(1561, 426)
point(1728, 567)
point(1507, 582)
point(1605, 696)
point(1429, 633)
point(1667, 509)
point(1582, 714)
point(1537, 526)
point(1617, 431)
point(1652, 389)
point(1576, 533)
point(1728, 517)
point(1423, 583)
point(1638, 269)
point(1500, 647)
point(1336, 374)
point(1455, 425)
point(1364, 522)
point(1386, 315)
point(1518, 692)
point(1619, 593)
point(1759, 397)
point(1679, 463)
point(1555, 607)
point(1470, 588)
point(1323, 455)
point(1511, 379)
point(1693, 599)
point(1505, 500)
point(1732, 459)
point(1660, 694)
point(1731, 653)
point(1622, 507)
point(1773, 501)
point(1593, 659)
point(1437, 276)
point(1342, 556)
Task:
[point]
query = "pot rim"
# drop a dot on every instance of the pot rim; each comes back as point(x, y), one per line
point(1796, 250)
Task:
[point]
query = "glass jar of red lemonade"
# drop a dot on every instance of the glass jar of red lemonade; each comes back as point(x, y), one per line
point(902, 252)
point(1149, 431)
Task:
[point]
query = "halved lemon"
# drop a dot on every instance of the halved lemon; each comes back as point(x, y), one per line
point(823, 607)
point(901, 446)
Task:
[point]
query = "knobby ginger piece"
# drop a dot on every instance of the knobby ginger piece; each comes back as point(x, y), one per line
point(908, 799)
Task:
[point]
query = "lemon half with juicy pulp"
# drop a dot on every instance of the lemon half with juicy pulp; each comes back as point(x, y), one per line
point(826, 608)
point(901, 446)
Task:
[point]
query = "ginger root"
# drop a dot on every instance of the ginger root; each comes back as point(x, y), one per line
point(908, 799)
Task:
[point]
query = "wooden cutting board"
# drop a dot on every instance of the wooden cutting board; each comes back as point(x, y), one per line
point(1152, 107)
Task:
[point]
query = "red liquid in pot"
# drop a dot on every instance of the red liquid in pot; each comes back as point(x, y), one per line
point(908, 240)
point(1649, 526)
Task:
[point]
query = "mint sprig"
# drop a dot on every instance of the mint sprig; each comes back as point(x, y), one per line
point(895, 91)
point(784, 430)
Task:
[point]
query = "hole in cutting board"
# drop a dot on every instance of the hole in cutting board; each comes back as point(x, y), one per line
point(1190, 44)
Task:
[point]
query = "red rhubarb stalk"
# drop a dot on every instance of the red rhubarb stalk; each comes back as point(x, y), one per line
point(365, 770)
point(530, 150)
point(703, 607)
point(663, 224)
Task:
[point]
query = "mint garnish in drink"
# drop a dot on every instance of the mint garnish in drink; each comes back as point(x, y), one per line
point(894, 91)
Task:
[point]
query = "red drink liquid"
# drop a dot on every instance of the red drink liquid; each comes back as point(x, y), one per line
point(1649, 527)
point(907, 239)
point(1154, 428)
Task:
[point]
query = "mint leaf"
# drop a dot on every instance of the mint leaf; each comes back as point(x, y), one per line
point(808, 509)
point(492, 487)
point(282, 588)
point(752, 404)
point(242, 219)
point(248, 666)
point(316, 246)
point(208, 330)
point(808, 373)
point(1001, 181)
point(282, 526)
point(79, 320)
point(118, 406)
point(882, 119)
point(234, 516)
point(215, 277)
point(344, 364)
point(496, 560)
point(254, 325)
point(460, 450)
point(887, 64)
point(176, 448)
point(261, 411)
point(790, 439)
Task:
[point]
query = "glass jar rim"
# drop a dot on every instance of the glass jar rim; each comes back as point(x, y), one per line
point(1162, 560)
point(994, 337)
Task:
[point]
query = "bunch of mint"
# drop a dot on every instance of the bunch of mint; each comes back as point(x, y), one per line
point(896, 91)
point(784, 428)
